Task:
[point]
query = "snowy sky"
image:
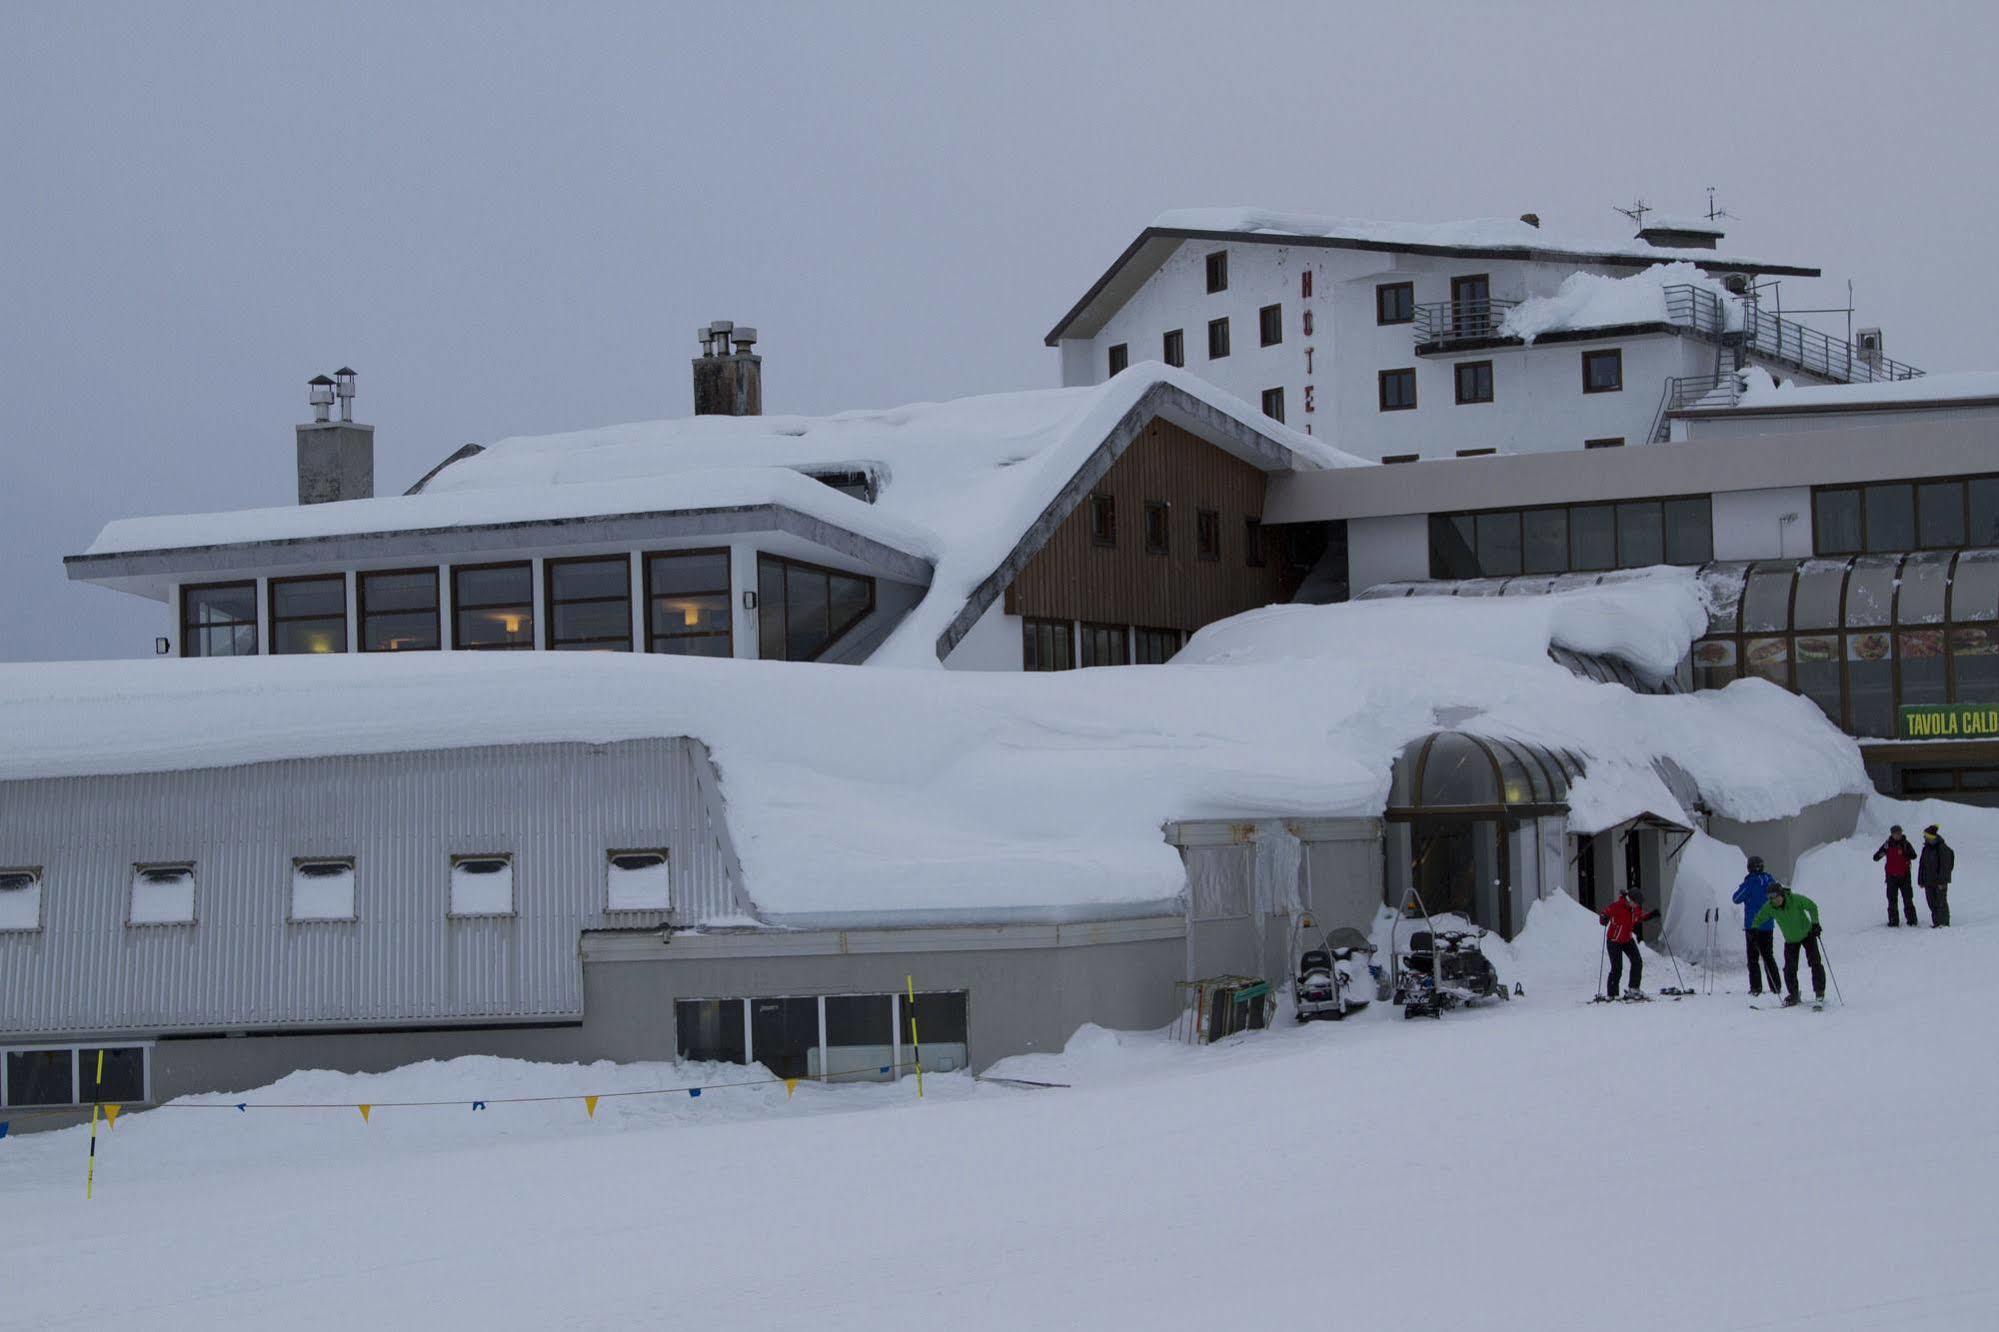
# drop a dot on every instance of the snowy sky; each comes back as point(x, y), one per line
point(510, 219)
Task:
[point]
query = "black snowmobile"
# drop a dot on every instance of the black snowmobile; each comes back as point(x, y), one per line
point(1444, 969)
point(1336, 978)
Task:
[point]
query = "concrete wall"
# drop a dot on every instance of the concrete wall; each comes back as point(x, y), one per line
point(1782, 841)
point(994, 643)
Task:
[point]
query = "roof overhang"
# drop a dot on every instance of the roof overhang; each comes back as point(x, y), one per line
point(1831, 408)
point(1645, 819)
point(1144, 256)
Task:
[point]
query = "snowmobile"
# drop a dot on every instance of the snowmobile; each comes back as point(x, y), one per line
point(1444, 969)
point(1336, 978)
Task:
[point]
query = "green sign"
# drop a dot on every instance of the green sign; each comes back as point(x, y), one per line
point(1950, 721)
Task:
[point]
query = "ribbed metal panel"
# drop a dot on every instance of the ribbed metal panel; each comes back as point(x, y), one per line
point(556, 808)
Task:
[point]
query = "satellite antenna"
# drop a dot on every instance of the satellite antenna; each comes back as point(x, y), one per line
point(1637, 213)
point(1716, 214)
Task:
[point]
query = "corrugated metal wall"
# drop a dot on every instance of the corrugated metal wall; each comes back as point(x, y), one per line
point(557, 808)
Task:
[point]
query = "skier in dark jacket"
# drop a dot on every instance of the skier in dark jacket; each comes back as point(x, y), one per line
point(1621, 921)
point(1750, 896)
point(1798, 917)
point(1901, 857)
point(1933, 872)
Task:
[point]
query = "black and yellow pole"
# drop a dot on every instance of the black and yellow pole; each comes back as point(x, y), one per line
point(915, 1038)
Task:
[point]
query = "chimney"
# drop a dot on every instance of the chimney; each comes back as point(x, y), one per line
point(1531, 219)
point(728, 376)
point(336, 459)
point(1672, 234)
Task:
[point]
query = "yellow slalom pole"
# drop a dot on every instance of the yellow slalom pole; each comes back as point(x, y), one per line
point(915, 1037)
point(90, 1174)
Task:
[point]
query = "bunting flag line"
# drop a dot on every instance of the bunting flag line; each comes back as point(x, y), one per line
point(364, 1109)
point(590, 1106)
point(693, 1091)
point(478, 1105)
point(790, 1086)
point(3, 1128)
point(111, 1115)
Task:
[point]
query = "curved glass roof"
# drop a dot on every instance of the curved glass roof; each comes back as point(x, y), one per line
point(1459, 770)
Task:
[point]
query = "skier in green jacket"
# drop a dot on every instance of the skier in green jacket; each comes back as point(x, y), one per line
point(1797, 917)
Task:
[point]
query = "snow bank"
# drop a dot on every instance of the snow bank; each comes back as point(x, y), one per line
point(1586, 300)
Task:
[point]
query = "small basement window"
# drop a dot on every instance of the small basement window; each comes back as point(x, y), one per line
point(323, 889)
point(20, 899)
point(638, 881)
point(162, 895)
point(482, 885)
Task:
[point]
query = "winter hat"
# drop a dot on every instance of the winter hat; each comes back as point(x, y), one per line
point(1895, 828)
point(1931, 831)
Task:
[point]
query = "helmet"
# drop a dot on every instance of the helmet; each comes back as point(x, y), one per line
point(1755, 864)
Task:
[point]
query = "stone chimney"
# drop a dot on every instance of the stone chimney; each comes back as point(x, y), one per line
point(728, 376)
point(336, 459)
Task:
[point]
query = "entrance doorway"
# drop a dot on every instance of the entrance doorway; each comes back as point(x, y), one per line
point(1458, 865)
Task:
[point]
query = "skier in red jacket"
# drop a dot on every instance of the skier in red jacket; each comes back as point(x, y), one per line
point(1901, 858)
point(1621, 921)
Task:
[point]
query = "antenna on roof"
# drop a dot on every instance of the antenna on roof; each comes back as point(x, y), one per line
point(1717, 214)
point(1636, 212)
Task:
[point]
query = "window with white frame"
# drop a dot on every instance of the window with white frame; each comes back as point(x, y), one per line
point(162, 894)
point(482, 885)
point(57, 1075)
point(323, 888)
point(638, 881)
point(20, 899)
point(833, 1037)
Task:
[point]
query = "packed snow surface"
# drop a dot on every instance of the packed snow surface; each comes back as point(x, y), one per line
point(853, 791)
point(1587, 300)
point(1544, 1163)
point(1765, 392)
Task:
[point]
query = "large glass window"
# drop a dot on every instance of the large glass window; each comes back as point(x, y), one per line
point(784, 1035)
point(218, 620)
point(1155, 646)
point(1836, 522)
point(803, 609)
point(590, 604)
point(1689, 531)
point(1545, 541)
point(1982, 511)
point(1573, 538)
point(41, 1077)
point(492, 606)
point(398, 610)
point(74, 1075)
point(1890, 515)
point(687, 603)
point(710, 1030)
point(1920, 654)
point(1498, 543)
point(1817, 667)
point(1974, 653)
point(860, 1035)
point(1941, 514)
point(1592, 537)
point(1641, 534)
point(309, 614)
point(1047, 645)
point(1105, 645)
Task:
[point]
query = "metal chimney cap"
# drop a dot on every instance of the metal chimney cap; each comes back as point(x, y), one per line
point(320, 381)
point(345, 372)
point(743, 336)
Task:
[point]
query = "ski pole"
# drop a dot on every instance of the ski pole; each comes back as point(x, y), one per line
point(1825, 955)
point(1600, 955)
point(1667, 944)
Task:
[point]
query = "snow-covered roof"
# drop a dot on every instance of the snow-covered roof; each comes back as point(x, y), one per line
point(1590, 300)
point(1762, 393)
point(1689, 223)
point(854, 793)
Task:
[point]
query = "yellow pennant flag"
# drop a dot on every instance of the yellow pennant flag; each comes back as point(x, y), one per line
point(790, 1086)
point(364, 1109)
point(111, 1114)
point(590, 1106)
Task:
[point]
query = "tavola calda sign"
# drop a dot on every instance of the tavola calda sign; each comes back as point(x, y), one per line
point(1950, 721)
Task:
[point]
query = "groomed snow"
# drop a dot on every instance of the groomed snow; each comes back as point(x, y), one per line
point(859, 791)
point(1587, 300)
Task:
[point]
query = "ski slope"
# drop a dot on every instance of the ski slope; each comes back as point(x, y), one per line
point(1544, 1164)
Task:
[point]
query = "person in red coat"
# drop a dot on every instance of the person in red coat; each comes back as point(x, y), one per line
point(1621, 921)
point(1900, 856)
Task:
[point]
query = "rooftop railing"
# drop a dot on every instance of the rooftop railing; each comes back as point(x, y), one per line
point(1447, 322)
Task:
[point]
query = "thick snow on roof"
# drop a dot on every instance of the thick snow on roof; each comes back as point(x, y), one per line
point(1587, 300)
point(1481, 233)
point(856, 792)
point(1760, 390)
point(1687, 222)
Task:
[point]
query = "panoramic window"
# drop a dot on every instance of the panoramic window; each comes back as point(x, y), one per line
point(20, 899)
point(309, 614)
point(1218, 339)
point(637, 881)
point(803, 609)
point(687, 604)
point(1614, 442)
point(1270, 325)
point(1892, 516)
point(1208, 534)
point(1273, 403)
point(398, 610)
point(1103, 520)
point(1173, 348)
point(1218, 271)
point(1105, 645)
point(482, 885)
point(1154, 647)
point(589, 604)
point(1047, 645)
point(1395, 303)
point(492, 606)
point(1252, 542)
point(1575, 538)
point(1474, 381)
point(162, 895)
point(41, 1077)
point(1120, 357)
point(218, 620)
point(837, 1037)
point(323, 888)
point(1398, 390)
point(1603, 371)
point(1158, 529)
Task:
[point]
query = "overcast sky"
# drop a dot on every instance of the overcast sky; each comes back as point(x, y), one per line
point(510, 219)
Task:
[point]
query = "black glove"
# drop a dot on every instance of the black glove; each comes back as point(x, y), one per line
point(1816, 931)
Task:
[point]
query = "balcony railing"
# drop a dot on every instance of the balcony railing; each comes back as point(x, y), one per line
point(1447, 322)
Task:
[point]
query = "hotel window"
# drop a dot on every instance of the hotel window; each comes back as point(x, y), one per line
point(687, 604)
point(1401, 457)
point(1575, 538)
point(492, 606)
point(589, 603)
point(1474, 381)
point(1046, 645)
point(1105, 645)
point(1218, 339)
point(803, 609)
point(1398, 390)
point(1120, 357)
point(1603, 371)
point(1887, 517)
point(1207, 534)
point(482, 885)
point(1395, 303)
point(1252, 542)
point(398, 610)
point(1270, 324)
point(309, 614)
point(1155, 647)
point(1103, 520)
point(162, 895)
point(1173, 348)
point(1158, 528)
point(1477, 453)
point(218, 620)
point(637, 881)
point(1218, 271)
point(75, 1075)
point(323, 888)
point(20, 899)
point(1273, 403)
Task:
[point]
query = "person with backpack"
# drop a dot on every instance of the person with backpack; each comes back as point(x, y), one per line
point(1621, 921)
point(1798, 917)
point(1933, 872)
point(1755, 890)
point(1900, 857)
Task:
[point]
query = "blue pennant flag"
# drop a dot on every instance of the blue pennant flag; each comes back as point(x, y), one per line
point(242, 1107)
point(3, 1128)
point(478, 1105)
point(693, 1091)
point(884, 1070)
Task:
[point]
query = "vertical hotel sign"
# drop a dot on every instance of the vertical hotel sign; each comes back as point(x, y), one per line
point(1950, 721)
point(1305, 299)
